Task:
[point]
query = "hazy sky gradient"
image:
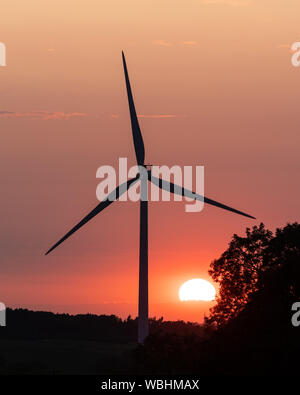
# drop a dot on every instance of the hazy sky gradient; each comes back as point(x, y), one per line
point(219, 72)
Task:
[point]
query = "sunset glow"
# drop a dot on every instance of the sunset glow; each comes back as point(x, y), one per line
point(210, 89)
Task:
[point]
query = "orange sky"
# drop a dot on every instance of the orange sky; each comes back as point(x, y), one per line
point(221, 70)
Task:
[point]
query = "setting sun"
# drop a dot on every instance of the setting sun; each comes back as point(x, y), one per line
point(197, 289)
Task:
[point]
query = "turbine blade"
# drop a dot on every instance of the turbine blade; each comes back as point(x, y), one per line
point(101, 206)
point(169, 186)
point(136, 131)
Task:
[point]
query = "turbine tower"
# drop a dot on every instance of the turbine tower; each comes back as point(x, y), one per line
point(143, 325)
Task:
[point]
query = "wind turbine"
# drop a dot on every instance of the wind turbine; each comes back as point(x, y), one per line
point(143, 325)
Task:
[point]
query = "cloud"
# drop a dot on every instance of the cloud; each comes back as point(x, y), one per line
point(155, 116)
point(190, 43)
point(232, 3)
point(286, 46)
point(114, 116)
point(43, 115)
point(163, 43)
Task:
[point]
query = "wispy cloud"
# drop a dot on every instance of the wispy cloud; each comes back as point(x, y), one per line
point(153, 116)
point(161, 116)
point(43, 115)
point(192, 43)
point(285, 46)
point(231, 3)
point(163, 43)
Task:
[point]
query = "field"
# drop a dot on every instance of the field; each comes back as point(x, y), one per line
point(63, 357)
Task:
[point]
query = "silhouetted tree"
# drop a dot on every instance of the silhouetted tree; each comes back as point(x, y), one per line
point(237, 272)
point(280, 275)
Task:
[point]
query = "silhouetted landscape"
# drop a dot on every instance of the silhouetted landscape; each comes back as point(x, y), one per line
point(248, 332)
point(44, 342)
